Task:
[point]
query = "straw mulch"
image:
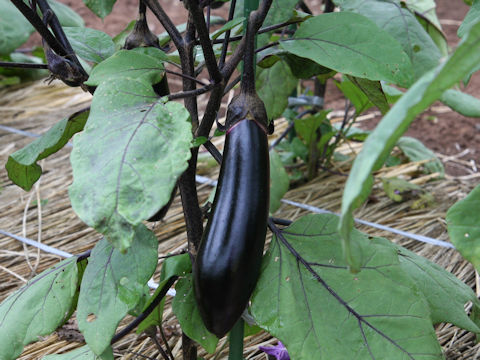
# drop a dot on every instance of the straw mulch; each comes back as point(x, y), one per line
point(37, 107)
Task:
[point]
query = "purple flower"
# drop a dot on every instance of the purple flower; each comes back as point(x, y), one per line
point(279, 351)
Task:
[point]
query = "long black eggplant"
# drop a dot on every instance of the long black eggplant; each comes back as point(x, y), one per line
point(230, 253)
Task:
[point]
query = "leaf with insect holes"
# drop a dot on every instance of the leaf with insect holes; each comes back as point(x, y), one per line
point(307, 298)
point(352, 44)
point(128, 158)
point(383, 138)
point(112, 285)
point(22, 165)
point(402, 25)
point(90, 44)
point(82, 353)
point(37, 308)
point(185, 308)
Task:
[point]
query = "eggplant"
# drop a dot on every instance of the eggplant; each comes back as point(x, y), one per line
point(228, 261)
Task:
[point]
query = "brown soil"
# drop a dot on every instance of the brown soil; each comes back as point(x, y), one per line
point(440, 128)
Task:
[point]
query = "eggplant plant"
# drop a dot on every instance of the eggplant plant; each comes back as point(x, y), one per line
point(324, 289)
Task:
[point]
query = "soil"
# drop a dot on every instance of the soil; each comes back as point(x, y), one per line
point(452, 135)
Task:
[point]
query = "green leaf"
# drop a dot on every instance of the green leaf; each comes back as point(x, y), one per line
point(280, 11)
point(463, 103)
point(279, 181)
point(112, 285)
point(228, 26)
point(470, 19)
point(176, 265)
point(303, 68)
point(37, 308)
point(307, 298)
point(83, 353)
point(274, 85)
point(90, 44)
point(426, 15)
point(120, 38)
point(446, 295)
point(15, 29)
point(402, 25)
point(22, 165)
point(414, 150)
point(128, 158)
point(101, 8)
point(374, 92)
point(185, 308)
point(66, 16)
point(352, 92)
point(372, 53)
point(128, 64)
point(164, 38)
point(463, 227)
point(380, 142)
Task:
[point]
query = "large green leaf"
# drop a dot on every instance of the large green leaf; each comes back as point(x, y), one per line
point(446, 295)
point(352, 44)
point(401, 24)
point(128, 158)
point(464, 228)
point(308, 299)
point(22, 165)
point(37, 308)
point(380, 142)
point(274, 85)
point(15, 29)
point(101, 8)
point(185, 308)
point(83, 353)
point(463, 103)
point(90, 44)
point(112, 285)
point(139, 64)
point(414, 150)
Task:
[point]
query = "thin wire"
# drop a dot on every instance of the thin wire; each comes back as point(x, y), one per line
point(421, 238)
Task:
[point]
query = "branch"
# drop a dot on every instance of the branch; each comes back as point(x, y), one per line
point(186, 77)
point(9, 64)
point(190, 93)
point(204, 36)
point(38, 24)
point(257, 18)
point(160, 14)
point(226, 39)
point(60, 34)
point(261, 31)
point(147, 311)
point(211, 111)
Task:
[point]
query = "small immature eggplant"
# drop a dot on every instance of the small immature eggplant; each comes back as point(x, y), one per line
point(230, 253)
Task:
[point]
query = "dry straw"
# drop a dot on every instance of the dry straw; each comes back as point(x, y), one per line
point(38, 106)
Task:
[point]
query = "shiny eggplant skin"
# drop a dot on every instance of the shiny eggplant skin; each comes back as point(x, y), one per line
point(229, 257)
